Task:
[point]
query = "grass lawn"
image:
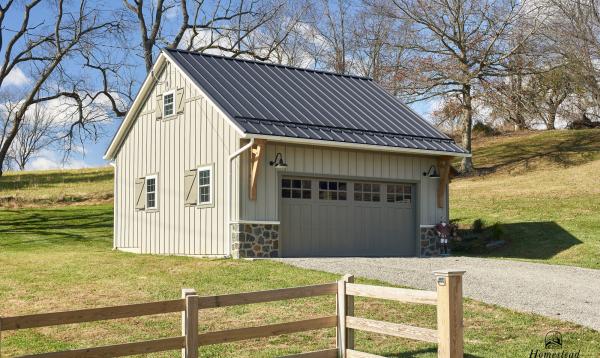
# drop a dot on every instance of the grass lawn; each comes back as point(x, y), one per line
point(51, 187)
point(61, 258)
point(545, 195)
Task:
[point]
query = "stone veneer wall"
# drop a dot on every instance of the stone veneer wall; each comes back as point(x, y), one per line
point(430, 242)
point(254, 240)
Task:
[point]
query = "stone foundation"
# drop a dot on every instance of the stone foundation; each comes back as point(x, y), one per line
point(430, 242)
point(254, 240)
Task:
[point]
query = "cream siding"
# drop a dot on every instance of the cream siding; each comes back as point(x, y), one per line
point(168, 147)
point(333, 162)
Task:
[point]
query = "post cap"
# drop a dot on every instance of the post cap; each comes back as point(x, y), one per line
point(187, 292)
point(447, 273)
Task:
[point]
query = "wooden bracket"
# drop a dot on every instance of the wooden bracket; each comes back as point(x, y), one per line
point(443, 164)
point(256, 154)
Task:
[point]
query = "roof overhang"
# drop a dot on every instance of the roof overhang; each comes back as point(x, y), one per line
point(358, 146)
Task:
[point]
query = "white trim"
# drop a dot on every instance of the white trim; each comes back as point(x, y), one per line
point(263, 222)
point(211, 185)
point(220, 109)
point(155, 177)
point(135, 107)
point(228, 176)
point(328, 143)
point(427, 226)
point(174, 113)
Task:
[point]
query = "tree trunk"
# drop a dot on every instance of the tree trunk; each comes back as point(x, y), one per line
point(550, 124)
point(466, 165)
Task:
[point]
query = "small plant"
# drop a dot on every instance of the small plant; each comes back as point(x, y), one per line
point(496, 231)
point(478, 225)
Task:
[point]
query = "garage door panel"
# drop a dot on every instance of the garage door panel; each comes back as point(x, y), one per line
point(373, 221)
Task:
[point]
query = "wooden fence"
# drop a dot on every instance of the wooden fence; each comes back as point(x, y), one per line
point(448, 336)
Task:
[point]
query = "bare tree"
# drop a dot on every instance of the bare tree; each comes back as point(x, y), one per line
point(49, 50)
point(457, 44)
point(38, 131)
point(224, 26)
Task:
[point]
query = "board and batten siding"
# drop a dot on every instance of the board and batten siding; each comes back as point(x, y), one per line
point(167, 148)
point(336, 162)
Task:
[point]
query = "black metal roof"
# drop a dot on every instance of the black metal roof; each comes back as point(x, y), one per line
point(278, 100)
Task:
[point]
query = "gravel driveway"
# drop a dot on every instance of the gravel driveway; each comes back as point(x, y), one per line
point(562, 292)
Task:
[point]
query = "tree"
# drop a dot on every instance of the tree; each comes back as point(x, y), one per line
point(457, 44)
point(50, 49)
point(38, 131)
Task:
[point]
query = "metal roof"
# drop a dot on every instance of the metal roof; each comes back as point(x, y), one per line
point(276, 100)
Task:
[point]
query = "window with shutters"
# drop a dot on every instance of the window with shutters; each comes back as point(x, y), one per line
point(169, 104)
point(205, 185)
point(151, 188)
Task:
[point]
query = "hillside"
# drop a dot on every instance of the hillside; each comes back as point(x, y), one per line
point(542, 188)
point(56, 187)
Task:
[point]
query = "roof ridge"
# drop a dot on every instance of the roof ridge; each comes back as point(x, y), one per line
point(365, 131)
point(270, 64)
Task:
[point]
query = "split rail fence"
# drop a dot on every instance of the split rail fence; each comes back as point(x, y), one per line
point(448, 336)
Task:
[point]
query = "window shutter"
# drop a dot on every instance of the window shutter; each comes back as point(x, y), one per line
point(180, 101)
point(159, 107)
point(191, 187)
point(140, 193)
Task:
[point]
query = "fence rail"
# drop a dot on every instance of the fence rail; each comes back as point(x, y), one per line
point(448, 336)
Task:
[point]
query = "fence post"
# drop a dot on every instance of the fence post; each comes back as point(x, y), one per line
point(449, 313)
point(341, 315)
point(189, 323)
point(349, 312)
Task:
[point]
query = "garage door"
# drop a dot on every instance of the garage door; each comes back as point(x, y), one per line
point(336, 217)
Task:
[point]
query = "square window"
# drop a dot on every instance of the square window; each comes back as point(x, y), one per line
point(357, 196)
point(323, 185)
point(168, 104)
point(407, 189)
point(296, 183)
point(333, 185)
point(342, 195)
point(322, 195)
point(333, 195)
point(306, 194)
point(357, 186)
point(286, 183)
point(286, 193)
point(306, 184)
point(390, 188)
point(390, 198)
point(296, 194)
point(367, 196)
point(376, 197)
point(375, 188)
point(342, 186)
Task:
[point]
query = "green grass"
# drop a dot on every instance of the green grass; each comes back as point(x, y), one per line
point(56, 187)
point(61, 259)
point(545, 195)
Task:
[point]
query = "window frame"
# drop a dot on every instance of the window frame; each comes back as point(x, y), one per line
point(328, 191)
point(211, 183)
point(395, 193)
point(301, 190)
point(155, 192)
point(174, 104)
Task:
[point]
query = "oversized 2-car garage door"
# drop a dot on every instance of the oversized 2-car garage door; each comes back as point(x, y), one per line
point(336, 217)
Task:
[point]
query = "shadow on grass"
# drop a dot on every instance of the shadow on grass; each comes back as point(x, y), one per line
point(578, 148)
point(526, 240)
point(418, 352)
point(26, 180)
point(25, 229)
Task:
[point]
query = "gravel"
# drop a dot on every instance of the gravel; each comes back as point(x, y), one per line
point(562, 292)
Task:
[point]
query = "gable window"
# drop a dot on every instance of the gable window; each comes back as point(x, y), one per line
point(205, 185)
point(399, 193)
point(367, 192)
point(296, 188)
point(151, 192)
point(333, 190)
point(169, 104)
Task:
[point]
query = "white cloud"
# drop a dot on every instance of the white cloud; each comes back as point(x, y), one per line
point(53, 160)
point(16, 78)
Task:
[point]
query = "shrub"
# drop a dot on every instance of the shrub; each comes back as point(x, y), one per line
point(478, 225)
point(482, 129)
point(496, 231)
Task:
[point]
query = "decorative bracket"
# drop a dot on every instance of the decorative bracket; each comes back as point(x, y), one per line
point(443, 164)
point(256, 154)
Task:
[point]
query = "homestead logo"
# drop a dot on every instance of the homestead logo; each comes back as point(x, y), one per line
point(553, 345)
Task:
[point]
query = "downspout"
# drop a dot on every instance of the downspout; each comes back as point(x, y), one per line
point(114, 165)
point(231, 158)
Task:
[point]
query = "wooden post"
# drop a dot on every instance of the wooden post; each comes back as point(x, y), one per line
point(349, 312)
point(189, 323)
point(449, 313)
point(341, 314)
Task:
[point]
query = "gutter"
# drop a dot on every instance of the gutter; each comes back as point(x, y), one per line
point(231, 158)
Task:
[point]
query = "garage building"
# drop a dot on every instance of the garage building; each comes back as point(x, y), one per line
point(230, 157)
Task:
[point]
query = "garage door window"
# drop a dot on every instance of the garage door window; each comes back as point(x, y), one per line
point(333, 190)
point(399, 193)
point(296, 188)
point(367, 192)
